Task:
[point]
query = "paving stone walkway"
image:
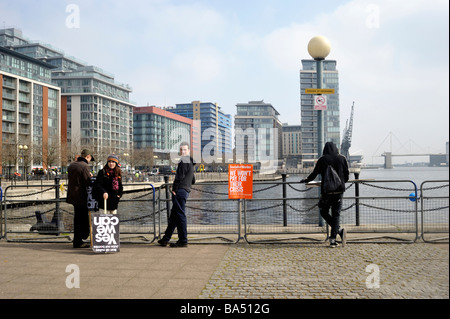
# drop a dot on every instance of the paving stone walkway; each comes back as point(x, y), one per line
point(238, 271)
point(317, 271)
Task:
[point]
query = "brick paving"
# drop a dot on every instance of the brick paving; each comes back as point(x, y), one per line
point(238, 271)
point(316, 271)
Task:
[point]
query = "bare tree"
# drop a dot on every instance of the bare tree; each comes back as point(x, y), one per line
point(143, 157)
point(9, 157)
point(51, 154)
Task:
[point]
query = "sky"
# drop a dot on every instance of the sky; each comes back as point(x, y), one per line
point(392, 57)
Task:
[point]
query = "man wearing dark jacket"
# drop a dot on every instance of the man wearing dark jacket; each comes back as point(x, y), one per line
point(181, 188)
point(331, 156)
point(79, 178)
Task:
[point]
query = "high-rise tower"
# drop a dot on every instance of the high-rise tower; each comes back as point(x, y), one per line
point(308, 79)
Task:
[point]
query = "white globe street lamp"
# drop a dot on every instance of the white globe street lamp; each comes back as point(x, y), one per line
point(319, 48)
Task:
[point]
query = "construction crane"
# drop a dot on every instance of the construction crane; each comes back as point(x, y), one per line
point(347, 139)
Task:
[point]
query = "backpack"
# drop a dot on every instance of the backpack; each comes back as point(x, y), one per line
point(332, 182)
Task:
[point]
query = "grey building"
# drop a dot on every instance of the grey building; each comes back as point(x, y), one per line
point(308, 79)
point(258, 133)
point(292, 145)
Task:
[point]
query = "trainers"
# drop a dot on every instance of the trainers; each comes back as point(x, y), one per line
point(163, 242)
point(343, 234)
point(177, 244)
point(333, 243)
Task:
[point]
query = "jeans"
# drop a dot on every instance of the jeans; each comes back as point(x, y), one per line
point(177, 217)
point(333, 201)
point(80, 224)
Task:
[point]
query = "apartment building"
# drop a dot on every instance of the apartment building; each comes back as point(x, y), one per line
point(33, 124)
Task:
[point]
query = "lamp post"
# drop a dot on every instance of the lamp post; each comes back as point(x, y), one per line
point(22, 149)
point(319, 47)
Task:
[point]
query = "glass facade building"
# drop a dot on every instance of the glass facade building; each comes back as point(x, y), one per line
point(308, 79)
point(215, 126)
point(31, 114)
point(152, 128)
point(257, 132)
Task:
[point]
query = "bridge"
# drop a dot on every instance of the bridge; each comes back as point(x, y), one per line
point(443, 157)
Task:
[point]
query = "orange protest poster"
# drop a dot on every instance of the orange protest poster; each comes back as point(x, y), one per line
point(240, 181)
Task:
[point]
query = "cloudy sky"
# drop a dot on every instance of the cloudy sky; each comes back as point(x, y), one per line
point(392, 56)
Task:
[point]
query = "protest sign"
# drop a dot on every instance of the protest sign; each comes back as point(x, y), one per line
point(105, 235)
point(240, 181)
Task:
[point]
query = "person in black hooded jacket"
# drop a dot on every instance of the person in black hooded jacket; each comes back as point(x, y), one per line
point(331, 156)
point(181, 188)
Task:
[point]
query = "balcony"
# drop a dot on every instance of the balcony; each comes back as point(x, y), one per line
point(24, 120)
point(8, 105)
point(9, 96)
point(9, 118)
point(24, 88)
point(9, 84)
point(23, 109)
point(7, 129)
point(24, 99)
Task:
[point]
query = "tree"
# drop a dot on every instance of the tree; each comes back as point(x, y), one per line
point(143, 157)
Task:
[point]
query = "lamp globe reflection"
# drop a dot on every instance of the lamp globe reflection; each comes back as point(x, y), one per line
point(319, 47)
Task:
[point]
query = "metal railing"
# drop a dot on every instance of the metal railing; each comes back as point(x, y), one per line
point(385, 211)
point(137, 211)
point(40, 213)
point(434, 211)
point(26, 210)
point(391, 217)
point(386, 216)
point(217, 220)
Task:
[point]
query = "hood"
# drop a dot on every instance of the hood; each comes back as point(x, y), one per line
point(330, 149)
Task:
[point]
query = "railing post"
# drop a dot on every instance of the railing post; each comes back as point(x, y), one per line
point(240, 218)
point(56, 218)
point(283, 176)
point(357, 199)
point(166, 181)
point(1, 211)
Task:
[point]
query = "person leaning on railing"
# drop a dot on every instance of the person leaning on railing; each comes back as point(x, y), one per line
point(333, 200)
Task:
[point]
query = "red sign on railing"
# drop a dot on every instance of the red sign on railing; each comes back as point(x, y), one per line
point(240, 181)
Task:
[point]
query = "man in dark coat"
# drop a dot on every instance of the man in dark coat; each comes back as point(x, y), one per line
point(331, 156)
point(181, 188)
point(79, 178)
